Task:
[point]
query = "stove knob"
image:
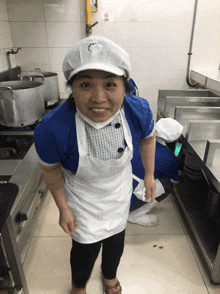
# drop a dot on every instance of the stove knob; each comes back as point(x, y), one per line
point(20, 217)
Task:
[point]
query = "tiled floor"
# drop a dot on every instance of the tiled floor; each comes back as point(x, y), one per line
point(156, 260)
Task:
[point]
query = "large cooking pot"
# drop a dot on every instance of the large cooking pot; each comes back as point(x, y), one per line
point(21, 103)
point(50, 84)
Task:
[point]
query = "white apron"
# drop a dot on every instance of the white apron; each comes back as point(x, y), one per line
point(99, 193)
point(139, 191)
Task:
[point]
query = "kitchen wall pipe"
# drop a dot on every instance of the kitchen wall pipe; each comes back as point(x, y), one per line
point(190, 46)
point(12, 51)
point(88, 17)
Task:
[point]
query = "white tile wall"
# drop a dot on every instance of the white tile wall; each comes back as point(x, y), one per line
point(164, 58)
point(60, 10)
point(63, 34)
point(161, 35)
point(173, 10)
point(56, 57)
point(82, 7)
point(30, 58)
point(25, 10)
point(160, 10)
point(139, 58)
point(151, 97)
point(107, 29)
point(135, 34)
point(134, 11)
point(28, 34)
point(1, 59)
point(3, 11)
point(108, 11)
point(6, 40)
point(156, 34)
point(206, 38)
point(5, 36)
point(141, 80)
point(164, 79)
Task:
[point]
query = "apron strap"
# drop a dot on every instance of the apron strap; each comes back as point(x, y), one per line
point(127, 132)
point(136, 178)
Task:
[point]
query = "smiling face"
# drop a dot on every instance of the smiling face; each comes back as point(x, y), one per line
point(98, 94)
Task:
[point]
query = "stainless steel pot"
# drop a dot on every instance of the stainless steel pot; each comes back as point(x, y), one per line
point(21, 103)
point(50, 84)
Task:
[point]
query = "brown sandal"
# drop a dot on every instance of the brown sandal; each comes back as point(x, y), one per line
point(116, 289)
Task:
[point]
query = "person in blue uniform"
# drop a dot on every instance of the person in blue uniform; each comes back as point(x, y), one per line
point(167, 130)
point(85, 147)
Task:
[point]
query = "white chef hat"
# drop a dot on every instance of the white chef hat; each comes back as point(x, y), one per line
point(96, 53)
point(168, 129)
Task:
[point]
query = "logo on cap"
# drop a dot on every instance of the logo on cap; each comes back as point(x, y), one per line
point(95, 47)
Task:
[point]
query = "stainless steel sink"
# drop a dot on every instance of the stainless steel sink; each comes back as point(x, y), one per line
point(192, 93)
point(204, 137)
point(198, 110)
point(183, 114)
point(172, 102)
point(162, 94)
point(199, 113)
point(210, 151)
point(203, 130)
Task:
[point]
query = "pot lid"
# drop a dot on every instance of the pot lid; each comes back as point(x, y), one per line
point(34, 73)
point(19, 85)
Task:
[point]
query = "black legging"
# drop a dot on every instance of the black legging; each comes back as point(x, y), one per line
point(83, 257)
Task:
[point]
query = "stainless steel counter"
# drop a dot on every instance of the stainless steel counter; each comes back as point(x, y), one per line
point(199, 197)
point(201, 123)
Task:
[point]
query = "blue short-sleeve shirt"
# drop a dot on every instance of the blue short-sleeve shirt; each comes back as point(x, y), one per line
point(55, 137)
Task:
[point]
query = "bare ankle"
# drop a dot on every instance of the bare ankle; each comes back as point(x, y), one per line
point(78, 290)
point(110, 282)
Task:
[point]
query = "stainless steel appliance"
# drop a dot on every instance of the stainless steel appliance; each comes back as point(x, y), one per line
point(21, 103)
point(198, 191)
point(185, 96)
point(19, 165)
point(49, 81)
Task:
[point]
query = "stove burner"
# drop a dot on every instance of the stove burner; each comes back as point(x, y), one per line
point(5, 152)
point(14, 147)
point(27, 128)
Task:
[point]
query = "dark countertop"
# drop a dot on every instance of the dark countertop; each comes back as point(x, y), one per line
point(8, 194)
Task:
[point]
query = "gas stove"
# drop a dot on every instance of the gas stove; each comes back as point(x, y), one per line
point(15, 146)
point(19, 165)
point(28, 130)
